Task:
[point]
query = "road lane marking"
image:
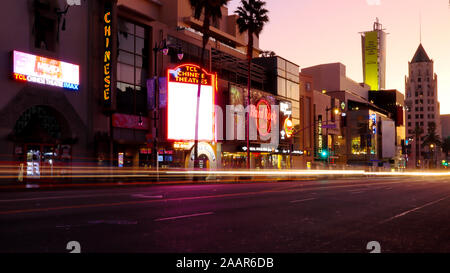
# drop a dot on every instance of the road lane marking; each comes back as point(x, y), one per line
point(414, 209)
point(183, 216)
point(147, 196)
point(302, 200)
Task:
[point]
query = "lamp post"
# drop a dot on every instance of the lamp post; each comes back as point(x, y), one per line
point(432, 155)
point(161, 47)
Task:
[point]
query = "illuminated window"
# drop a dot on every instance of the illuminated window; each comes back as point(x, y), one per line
point(356, 146)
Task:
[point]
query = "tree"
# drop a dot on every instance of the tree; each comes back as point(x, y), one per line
point(446, 146)
point(432, 140)
point(418, 132)
point(211, 10)
point(252, 18)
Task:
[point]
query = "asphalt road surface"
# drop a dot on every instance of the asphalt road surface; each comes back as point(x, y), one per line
point(344, 215)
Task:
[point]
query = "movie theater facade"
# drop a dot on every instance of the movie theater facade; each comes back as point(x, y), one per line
point(116, 82)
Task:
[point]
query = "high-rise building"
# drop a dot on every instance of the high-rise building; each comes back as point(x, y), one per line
point(374, 56)
point(422, 107)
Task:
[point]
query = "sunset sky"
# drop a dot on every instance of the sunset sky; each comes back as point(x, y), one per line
point(311, 32)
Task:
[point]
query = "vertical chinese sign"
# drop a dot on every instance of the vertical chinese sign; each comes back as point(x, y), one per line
point(107, 55)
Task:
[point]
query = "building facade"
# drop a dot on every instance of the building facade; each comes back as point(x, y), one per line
point(115, 108)
point(47, 103)
point(422, 109)
point(445, 124)
point(360, 134)
point(306, 130)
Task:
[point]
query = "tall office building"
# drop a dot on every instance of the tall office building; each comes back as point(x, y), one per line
point(422, 106)
point(374, 56)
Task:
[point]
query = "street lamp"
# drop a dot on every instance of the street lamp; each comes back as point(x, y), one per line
point(161, 47)
point(432, 154)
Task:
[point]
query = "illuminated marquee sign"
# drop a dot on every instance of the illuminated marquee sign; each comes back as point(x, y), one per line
point(107, 55)
point(182, 91)
point(183, 145)
point(32, 68)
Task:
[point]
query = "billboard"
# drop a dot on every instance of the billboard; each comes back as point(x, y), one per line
point(371, 60)
point(32, 68)
point(388, 139)
point(182, 88)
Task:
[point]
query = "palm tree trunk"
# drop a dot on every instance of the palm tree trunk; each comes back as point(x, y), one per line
point(205, 42)
point(249, 59)
point(198, 107)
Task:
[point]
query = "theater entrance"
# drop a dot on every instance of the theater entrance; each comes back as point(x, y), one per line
point(41, 146)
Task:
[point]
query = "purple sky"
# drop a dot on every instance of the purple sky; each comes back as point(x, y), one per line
point(310, 32)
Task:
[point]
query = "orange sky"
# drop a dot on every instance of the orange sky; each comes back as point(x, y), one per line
point(310, 32)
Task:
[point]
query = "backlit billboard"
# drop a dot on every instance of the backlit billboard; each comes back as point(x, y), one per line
point(32, 68)
point(182, 92)
point(371, 60)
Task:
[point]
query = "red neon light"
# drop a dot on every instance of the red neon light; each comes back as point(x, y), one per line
point(265, 115)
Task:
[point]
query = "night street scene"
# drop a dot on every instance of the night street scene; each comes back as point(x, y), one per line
point(201, 127)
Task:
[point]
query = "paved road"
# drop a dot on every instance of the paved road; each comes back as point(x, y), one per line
point(402, 214)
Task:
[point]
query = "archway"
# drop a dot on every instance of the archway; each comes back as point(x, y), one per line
point(206, 155)
point(42, 140)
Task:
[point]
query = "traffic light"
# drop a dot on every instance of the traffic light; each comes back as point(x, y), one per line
point(445, 163)
point(324, 154)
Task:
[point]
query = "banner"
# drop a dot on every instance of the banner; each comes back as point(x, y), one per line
point(371, 59)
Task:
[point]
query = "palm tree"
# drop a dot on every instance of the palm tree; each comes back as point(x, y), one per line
point(446, 146)
point(432, 140)
point(418, 131)
point(252, 18)
point(211, 11)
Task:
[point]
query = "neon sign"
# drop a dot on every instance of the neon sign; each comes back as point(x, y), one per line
point(42, 70)
point(190, 74)
point(288, 127)
point(263, 117)
point(319, 133)
point(182, 89)
point(107, 56)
